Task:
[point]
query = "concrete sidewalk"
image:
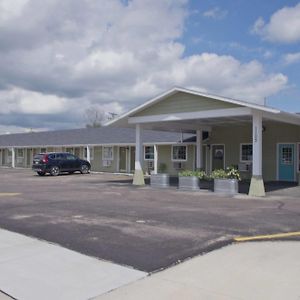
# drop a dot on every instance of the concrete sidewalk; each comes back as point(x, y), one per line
point(256, 270)
point(33, 269)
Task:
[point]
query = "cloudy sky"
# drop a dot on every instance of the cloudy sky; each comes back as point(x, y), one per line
point(58, 58)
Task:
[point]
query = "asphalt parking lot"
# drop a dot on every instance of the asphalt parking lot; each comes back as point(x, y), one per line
point(104, 216)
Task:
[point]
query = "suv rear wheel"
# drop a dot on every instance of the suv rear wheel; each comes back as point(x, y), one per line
point(54, 171)
point(84, 169)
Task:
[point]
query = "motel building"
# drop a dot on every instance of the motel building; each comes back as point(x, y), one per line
point(184, 130)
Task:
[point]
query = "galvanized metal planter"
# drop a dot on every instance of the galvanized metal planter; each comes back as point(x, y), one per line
point(161, 180)
point(189, 183)
point(226, 186)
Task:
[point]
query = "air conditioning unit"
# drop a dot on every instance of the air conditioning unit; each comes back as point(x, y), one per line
point(150, 164)
point(178, 165)
point(245, 167)
point(106, 163)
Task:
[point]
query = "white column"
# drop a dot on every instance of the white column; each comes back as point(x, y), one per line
point(138, 178)
point(118, 159)
point(199, 163)
point(138, 147)
point(88, 154)
point(129, 160)
point(155, 160)
point(257, 143)
point(13, 158)
point(257, 187)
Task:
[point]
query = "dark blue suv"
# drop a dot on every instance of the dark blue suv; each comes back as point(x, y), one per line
point(58, 162)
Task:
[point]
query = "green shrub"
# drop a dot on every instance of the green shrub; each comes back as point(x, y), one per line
point(188, 173)
point(230, 173)
point(162, 168)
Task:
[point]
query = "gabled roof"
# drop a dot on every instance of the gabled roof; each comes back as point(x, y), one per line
point(87, 136)
point(122, 120)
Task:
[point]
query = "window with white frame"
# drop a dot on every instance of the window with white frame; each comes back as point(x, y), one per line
point(91, 153)
point(20, 153)
point(43, 150)
point(149, 153)
point(246, 151)
point(107, 153)
point(179, 153)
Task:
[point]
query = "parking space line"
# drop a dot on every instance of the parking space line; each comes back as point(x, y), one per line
point(9, 194)
point(267, 236)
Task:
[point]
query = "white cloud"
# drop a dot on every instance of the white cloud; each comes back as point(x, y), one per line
point(291, 58)
point(215, 13)
point(77, 54)
point(10, 9)
point(17, 100)
point(283, 27)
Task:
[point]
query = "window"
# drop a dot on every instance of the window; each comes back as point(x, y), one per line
point(20, 153)
point(91, 153)
point(70, 150)
point(149, 152)
point(179, 153)
point(43, 150)
point(286, 156)
point(246, 153)
point(107, 153)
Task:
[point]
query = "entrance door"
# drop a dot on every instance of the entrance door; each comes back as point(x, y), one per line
point(123, 159)
point(286, 162)
point(217, 160)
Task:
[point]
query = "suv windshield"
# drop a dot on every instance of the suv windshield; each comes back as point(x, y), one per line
point(38, 156)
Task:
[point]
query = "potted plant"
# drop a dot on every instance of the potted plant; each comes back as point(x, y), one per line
point(190, 180)
point(226, 181)
point(161, 179)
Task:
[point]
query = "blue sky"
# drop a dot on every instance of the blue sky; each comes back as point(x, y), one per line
point(59, 58)
point(230, 34)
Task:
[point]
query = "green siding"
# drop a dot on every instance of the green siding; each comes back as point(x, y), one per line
point(182, 102)
point(274, 133)
point(164, 156)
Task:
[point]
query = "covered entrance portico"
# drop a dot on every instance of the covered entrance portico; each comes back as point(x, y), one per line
point(186, 111)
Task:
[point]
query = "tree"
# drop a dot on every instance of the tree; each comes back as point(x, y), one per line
point(94, 117)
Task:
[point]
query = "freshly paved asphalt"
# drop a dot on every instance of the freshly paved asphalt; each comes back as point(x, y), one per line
point(104, 216)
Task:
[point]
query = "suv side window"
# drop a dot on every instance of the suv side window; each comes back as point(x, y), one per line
point(60, 156)
point(70, 157)
point(51, 156)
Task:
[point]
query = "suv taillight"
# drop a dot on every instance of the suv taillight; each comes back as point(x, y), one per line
point(45, 158)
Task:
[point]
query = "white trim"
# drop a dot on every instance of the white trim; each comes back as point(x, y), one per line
point(112, 152)
point(211, 155)
point(214, 113)
point(20, 156)
point(245, 144)
point(146, 159)
point(199, 149)
point(138, 165)
point(118, 159)
point(91, 150)
point(192, 92)
point(155, 159)
point(186, 153)
point(295, 159)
